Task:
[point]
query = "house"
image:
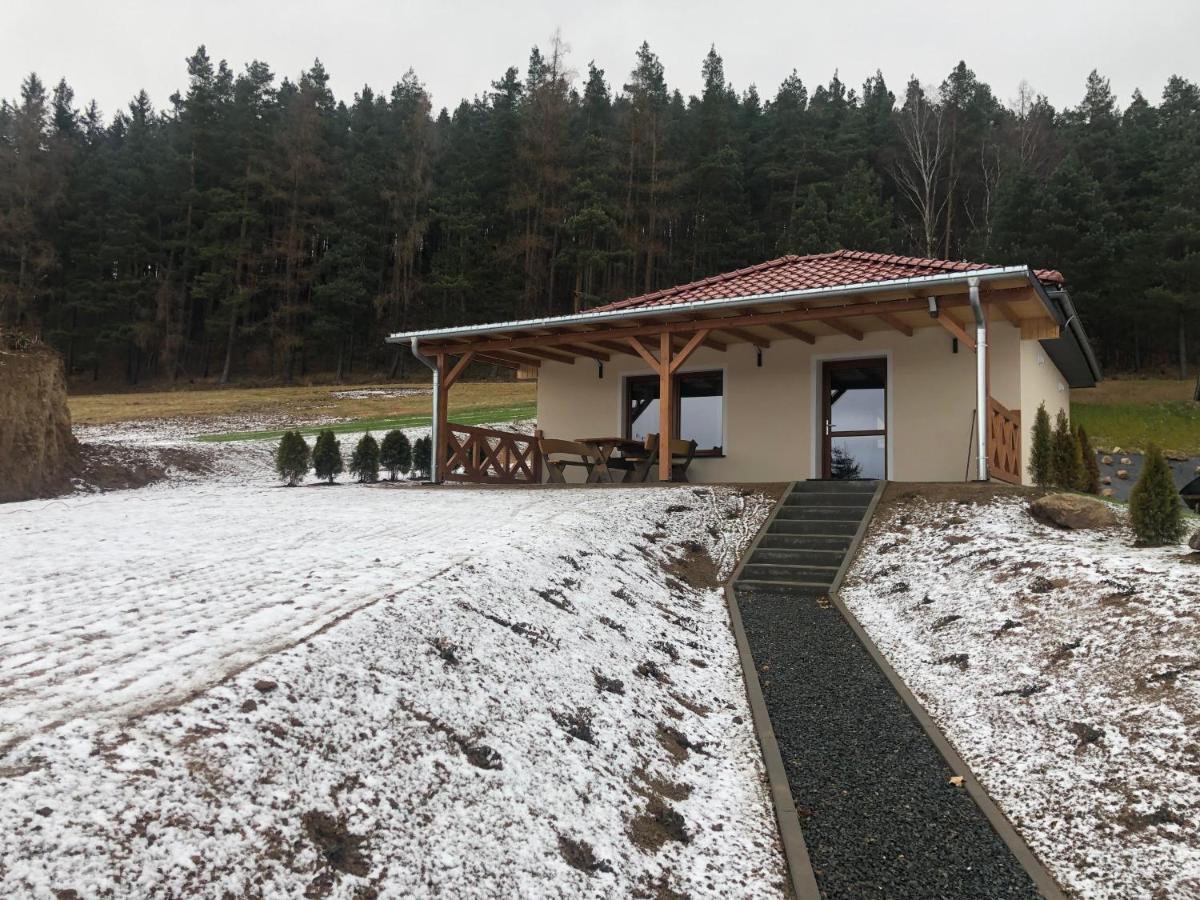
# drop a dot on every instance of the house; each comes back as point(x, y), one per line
point(843, 364)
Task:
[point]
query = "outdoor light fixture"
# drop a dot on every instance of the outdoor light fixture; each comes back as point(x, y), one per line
point(599, 368)
point(953, 345)
point(933, 308)
point(759, 349)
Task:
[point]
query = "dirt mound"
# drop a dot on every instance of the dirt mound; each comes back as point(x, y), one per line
point(38, 454)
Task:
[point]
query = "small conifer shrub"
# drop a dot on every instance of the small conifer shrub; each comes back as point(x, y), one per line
point(1154, 508)
point(292, 458)
point(1090, 481)
point(327, 456)
point(1040, 449)
point(364, 463)
point(1065, 460)
point(395, 453)
point(422, 456)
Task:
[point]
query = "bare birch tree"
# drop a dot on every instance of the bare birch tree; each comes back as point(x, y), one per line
point(920, 170)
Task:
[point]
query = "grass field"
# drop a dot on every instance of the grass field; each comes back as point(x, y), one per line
point(1133, 413)
point(364, 406)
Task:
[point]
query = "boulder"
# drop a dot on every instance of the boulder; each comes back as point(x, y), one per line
point(1107, 479)
point(1073, 511)
point(1107, 492)
point(1126, 461)
point(1194, 541)
point(1106, 459)
point(1175, 455)
point(1123, 474)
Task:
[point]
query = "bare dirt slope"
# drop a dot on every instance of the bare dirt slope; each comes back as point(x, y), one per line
point(38, 454)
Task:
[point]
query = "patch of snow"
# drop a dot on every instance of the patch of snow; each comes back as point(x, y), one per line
point(1079, 702)
point(364, 393)
point(217, 686)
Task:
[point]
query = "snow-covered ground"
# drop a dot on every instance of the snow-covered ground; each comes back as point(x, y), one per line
point(216, 686)
point(1064, 667)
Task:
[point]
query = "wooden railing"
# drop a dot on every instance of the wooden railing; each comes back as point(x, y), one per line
point(486, 456)
point(1004, 442)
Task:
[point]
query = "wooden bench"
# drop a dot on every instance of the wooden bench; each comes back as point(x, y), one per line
point(639, 466)
point(557, 455)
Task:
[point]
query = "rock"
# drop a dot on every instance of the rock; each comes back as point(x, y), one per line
point(1106, 459)
point(249, 706)
point(1107, 492)
point(1072, 511)
point(264, 686)
point(1198, 470)
point(1107, 479)
point(1123, 474)
point(1194, 541)
point(1116, 451)
point(1175, 455)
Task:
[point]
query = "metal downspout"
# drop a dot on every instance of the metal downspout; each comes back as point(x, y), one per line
point(981, 385)
point(435, 468)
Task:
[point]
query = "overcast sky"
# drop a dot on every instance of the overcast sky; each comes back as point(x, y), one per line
point(108, 49)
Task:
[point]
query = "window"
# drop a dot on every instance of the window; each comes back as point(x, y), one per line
point(699, 410)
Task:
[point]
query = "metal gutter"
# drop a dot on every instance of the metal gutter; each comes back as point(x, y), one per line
point(981, 381)
point(1071, 322)
point(638, 312)
point(791, 838)
point(434, 430)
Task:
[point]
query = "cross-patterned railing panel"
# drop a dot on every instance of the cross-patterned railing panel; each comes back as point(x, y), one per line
point(487, 456)
point(1004, 442)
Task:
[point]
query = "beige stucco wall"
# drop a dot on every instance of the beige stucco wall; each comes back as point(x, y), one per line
point(771, 413)
point(1041, 382)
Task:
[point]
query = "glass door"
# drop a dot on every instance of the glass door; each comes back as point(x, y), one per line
point(854, 419)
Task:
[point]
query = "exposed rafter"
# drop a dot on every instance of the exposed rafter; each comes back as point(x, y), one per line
point(793, 332)
point(952, 326)
point(742, 335)
point(848, 330)
point(896, 323)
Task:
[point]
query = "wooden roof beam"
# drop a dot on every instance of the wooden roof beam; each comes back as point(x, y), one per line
point(586, 351)
point(848, 330)
point(509, 360)
point(793, 332)
point(896, 323)
point(1005, 310)
point(543, 353)
point(615, 347)
point(946, 321)
point(788, 316)
point(749, 337)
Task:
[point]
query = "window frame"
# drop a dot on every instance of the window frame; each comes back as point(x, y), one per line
point(626, 406)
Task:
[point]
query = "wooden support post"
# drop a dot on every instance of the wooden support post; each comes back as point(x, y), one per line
point(666, 407)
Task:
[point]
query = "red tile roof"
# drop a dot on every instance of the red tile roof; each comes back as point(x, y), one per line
point(797, 273)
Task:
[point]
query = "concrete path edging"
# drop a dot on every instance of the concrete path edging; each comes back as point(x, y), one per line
point(795, 851)
point(1041, 877)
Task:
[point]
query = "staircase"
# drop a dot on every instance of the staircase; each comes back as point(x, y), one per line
point(805, 544)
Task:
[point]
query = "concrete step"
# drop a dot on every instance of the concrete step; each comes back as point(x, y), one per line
point(800, 589)
point(855, 499)
point(777, 572)
point(839, 543)
point(829, 485)
point(820, 513)
point(796, 557)
point(807, 526)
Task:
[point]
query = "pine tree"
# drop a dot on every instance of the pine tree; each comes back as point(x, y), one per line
point(1065, 461)
point(364, 462)
point(422, 456)
point(1041, 450)
point(327, 456)
point(395, 453)
point(1090, 483)
point(292, 458)
point(1154, 508)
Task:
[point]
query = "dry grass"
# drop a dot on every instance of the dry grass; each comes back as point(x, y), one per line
point(298, 402)
point(1135, 390)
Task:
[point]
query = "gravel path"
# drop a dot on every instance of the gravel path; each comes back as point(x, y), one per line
point(879, 813)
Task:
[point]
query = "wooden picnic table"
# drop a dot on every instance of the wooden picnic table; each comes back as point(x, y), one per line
point(607, 446)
